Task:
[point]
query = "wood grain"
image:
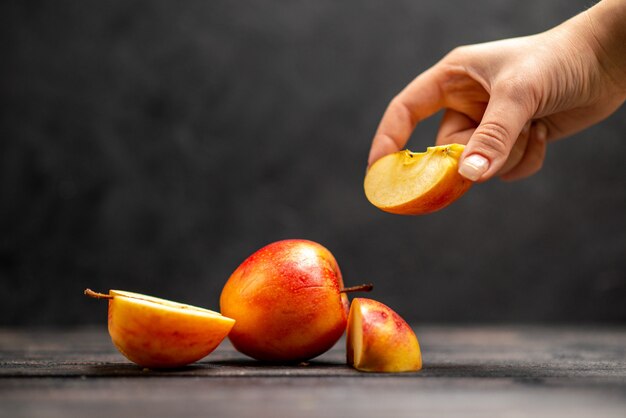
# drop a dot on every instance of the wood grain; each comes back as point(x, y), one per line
point(470, 371)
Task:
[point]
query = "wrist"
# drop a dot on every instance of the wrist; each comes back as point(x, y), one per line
point(605, 32)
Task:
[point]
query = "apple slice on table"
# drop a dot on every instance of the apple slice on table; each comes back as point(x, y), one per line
point(409, 183)
point(379, 340)
point(158, 333)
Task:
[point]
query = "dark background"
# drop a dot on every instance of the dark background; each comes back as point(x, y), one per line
point(153, 145)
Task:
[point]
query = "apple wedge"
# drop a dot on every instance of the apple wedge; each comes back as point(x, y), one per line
point(379, 340)
point(409, 183)
point(158, 333)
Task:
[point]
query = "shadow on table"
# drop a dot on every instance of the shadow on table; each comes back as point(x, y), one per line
point(252, 368)
point(223, 368)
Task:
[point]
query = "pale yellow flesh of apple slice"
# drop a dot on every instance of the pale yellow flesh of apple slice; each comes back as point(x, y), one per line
point(167, 305)
point(356, 336)
point(412, 183)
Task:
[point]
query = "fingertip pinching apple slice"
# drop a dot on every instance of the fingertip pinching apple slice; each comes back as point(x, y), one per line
point(409, 183)
point(158, 333)
point(379, 340)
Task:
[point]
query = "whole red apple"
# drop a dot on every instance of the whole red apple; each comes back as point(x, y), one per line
point(287, 302)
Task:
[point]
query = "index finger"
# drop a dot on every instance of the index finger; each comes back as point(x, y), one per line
point(420, 99)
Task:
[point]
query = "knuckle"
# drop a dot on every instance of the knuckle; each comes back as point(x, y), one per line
point(459, 52)
point(492, 138)
point(514, 89)
point(519, 91)
point(398, 107)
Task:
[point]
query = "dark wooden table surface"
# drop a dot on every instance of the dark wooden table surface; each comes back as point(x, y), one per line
point(503, 371)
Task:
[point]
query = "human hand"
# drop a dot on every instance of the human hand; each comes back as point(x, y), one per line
point(506, 99)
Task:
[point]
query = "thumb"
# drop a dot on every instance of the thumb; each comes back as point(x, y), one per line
point(490, 145)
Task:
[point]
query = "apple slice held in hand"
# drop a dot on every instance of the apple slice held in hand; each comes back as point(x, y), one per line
point(409, 183)
point(379, 340)
point(158, 333)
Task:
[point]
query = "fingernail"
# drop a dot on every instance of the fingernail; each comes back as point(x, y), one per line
point(473, 167)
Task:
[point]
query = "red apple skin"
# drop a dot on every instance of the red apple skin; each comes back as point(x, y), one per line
point(286, 301)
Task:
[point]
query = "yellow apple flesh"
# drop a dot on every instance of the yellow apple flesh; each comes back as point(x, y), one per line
point(379, 340)
point(157, 333)
point(409, 183)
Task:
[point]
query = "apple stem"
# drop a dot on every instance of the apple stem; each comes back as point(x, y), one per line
point(359, 288)
point(97, 295)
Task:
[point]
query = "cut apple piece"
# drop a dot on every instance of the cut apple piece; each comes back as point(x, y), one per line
point(409, 183)
point(379, 340)
point(158, 333)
